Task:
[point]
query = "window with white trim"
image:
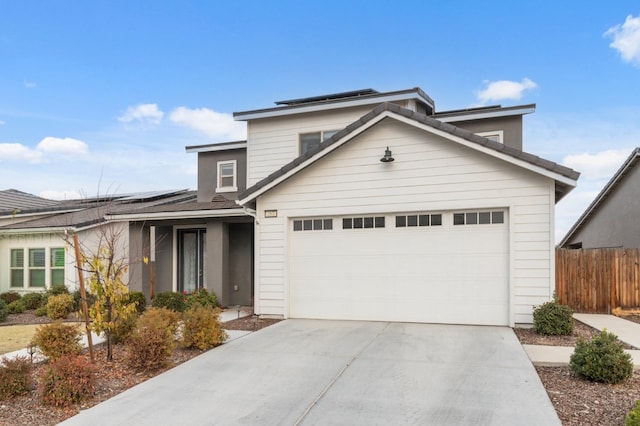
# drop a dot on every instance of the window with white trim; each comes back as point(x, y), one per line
point(35, 271)
point(320, 224)
point(227, 180)
point(478, 218)
point(309, 141)
point(496, 135)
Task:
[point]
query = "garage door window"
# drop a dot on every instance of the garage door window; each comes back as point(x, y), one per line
point(313, 224)
point(404, 221)
point(478, 218)
point(367, 222)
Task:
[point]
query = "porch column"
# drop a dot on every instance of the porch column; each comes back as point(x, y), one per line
point(217, 257)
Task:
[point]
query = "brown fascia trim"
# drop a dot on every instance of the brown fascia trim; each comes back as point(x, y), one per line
point(420, 118)
point(630, 162)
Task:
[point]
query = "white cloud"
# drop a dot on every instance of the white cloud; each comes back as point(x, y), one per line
point(2, 123)
point(599, 165)
point(145, 113)
point(61, 195)
point(626, 39)
point(62, 145)
point(504, 89)
point(30, 84)
point(215, 125)
point(19, 152)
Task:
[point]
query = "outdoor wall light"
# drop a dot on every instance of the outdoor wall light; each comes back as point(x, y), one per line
point(387, 156)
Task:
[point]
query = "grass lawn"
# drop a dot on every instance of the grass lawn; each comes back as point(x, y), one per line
point(14, 337)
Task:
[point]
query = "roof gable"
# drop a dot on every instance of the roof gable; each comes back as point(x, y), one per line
point(565, 177)
point(616, 180)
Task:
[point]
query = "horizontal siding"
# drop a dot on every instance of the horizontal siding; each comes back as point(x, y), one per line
point(430, 174)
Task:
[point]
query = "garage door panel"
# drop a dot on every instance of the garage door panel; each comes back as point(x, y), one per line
point(453, 275)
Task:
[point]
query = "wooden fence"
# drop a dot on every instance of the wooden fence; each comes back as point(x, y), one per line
point(598, 280)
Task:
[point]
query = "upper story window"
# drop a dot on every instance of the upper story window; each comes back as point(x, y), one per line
point(496, 136)
point(308, 141)
point(227, 176)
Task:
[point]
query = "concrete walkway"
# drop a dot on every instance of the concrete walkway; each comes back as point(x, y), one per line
point(343, 372)
point(555, 356)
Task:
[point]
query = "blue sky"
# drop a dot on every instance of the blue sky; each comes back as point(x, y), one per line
point(104, 96)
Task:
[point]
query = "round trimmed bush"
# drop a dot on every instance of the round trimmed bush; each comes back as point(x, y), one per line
point(67, 380)
point(202, 328)
point(59, 306)
point(633, 418)
point(602, 359)
point(32, 300)
point(57, 339)
point(203, 298)
point(553, 319)
point(4, 311)
point(139, 299)
point(16, 307)
point(10, 296)
point(168, 299)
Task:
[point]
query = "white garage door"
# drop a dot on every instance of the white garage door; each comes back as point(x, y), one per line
point(439, 268)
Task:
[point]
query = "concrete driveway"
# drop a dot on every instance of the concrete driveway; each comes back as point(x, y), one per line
point(314, 372)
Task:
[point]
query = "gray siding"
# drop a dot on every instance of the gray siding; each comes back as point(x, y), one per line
point(615, 223)
point(207, 172)
point(511, 126)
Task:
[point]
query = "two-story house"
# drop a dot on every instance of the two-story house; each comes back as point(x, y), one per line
point(370, 206)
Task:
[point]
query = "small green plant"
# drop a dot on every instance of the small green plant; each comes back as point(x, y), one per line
point(202, 328)
point(4, 311)
point(151, 344)
point(123, 328)
point(67, 380)
point(32, 300)
point(15, 377)
point(58, 289)
point(633, 418)
point(170, 300)
point(57, 339)
point(139, 299)
point(602, 359)
point(59, 306)
point(10, 296)
point(203, 298)
point(16, 307)
point(553, 319)
point(41, 311)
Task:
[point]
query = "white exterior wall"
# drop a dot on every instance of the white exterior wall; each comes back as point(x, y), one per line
point(88, 238)
point(274, 142)
point(430, 174)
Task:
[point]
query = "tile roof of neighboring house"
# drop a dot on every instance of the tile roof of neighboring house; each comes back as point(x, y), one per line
point(218, 202)
point(85, 213)
point(626, 167)
point(12, 199)
point(423, 119)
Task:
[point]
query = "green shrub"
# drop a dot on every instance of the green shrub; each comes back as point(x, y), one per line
point(4, 311)
point(16, 307)
point(57, 339)
point(77, 300)
point(633, 418)
point(553, 319)
point(139, 299)
point(203, 298)
point(602, 359)
point(124, 327)
point(10, 296)
point(32, 300)
point(41, 311)
point(67, 380)
point(202, 328)
point(151, 344)
point(15, 377)
point(170, 300)
point(58, 289)
point(59, 306)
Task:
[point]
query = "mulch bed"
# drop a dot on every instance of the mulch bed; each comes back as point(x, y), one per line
point(113, 377)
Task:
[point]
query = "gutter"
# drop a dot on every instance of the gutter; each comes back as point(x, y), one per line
point(192, 214)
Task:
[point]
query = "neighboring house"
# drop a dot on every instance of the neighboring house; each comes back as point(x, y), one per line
point(34, 253)
point(365, 205)
point(611, 220)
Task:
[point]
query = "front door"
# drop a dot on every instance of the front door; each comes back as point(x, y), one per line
point(191, 255)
